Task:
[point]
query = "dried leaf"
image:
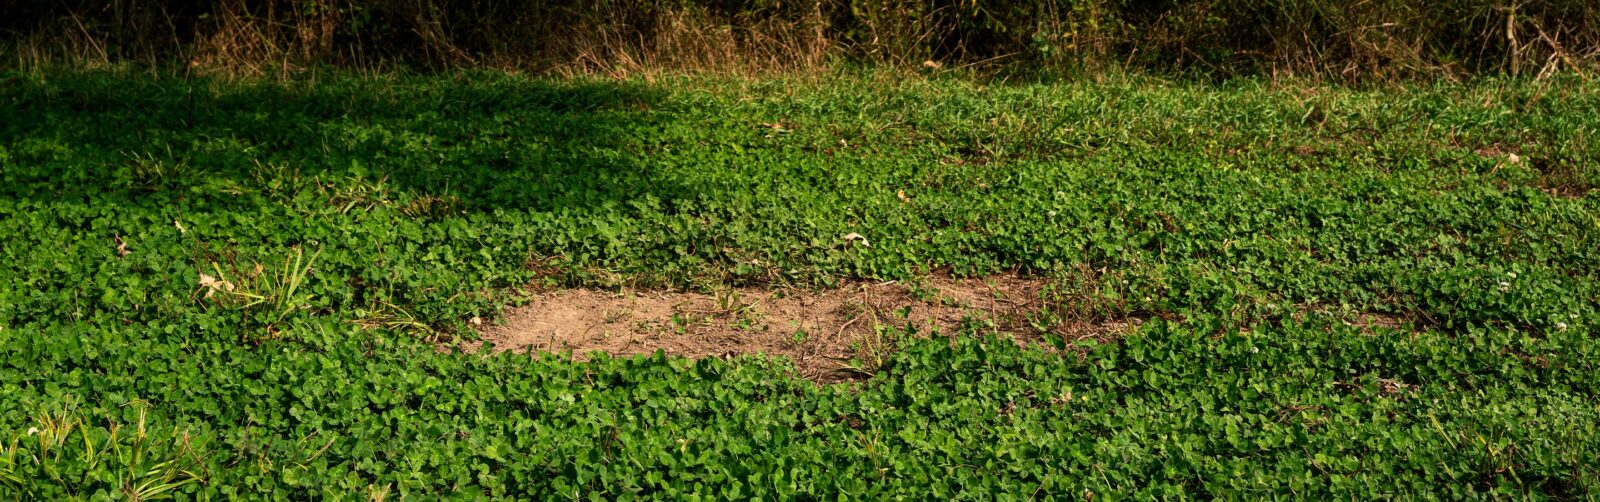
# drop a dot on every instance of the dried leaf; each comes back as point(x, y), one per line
point(209, 283)
point(855, 237)
point(213, 284)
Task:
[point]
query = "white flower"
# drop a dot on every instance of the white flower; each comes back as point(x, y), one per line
point(1504, 285)
point(1512, 275)
point(1561, 326)
point(1254, 350)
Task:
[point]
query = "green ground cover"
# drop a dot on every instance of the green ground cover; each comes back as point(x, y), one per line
point(217, 288)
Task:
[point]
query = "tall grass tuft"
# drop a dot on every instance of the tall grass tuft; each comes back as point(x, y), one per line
point(63, 455)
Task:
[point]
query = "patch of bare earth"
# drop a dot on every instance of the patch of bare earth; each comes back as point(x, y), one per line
point(821, 331)
point(1369, 322)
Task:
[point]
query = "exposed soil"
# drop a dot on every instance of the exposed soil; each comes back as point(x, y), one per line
point(820, 330)
point(1369, 321)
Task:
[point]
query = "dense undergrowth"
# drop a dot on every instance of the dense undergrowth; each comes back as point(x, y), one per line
point(1335, 40)
point(236, 288)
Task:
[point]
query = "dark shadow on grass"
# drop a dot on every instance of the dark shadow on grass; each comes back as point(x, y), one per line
point(481, 141)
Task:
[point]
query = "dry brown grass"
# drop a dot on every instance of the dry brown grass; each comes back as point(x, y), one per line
point(1381, 39)
point(678, 41)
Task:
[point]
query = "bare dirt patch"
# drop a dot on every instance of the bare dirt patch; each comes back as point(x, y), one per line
point(1369, 322)
point(825, 332)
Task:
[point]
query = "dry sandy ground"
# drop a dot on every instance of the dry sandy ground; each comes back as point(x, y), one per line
point(822, 331)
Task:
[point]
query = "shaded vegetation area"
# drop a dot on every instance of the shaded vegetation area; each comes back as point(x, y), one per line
point(263, 275)
point(1346, 41)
